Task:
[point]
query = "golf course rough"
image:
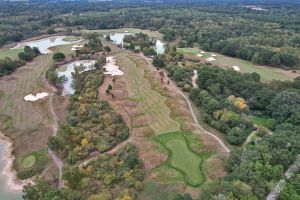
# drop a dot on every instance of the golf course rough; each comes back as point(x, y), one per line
point(183, 158)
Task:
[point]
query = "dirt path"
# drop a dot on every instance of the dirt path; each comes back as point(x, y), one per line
point(288, 174)
point(59, 163)
point(227, 150)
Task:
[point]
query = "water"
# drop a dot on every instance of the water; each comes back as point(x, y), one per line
point(5, 193)
point(117, 38)
point(46, 43)
point(159, 47)
point(69, 69)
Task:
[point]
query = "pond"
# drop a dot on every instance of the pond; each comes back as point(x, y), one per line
point(67, 70)
point(117, 38)
point(45, 44)
point(5, 192)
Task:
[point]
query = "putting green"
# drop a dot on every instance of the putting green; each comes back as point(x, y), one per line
point(182, 158)
point(71, 38)
point(28, 161)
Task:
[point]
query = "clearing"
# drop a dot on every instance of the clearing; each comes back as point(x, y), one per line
point(154, 34)
point(267, 73)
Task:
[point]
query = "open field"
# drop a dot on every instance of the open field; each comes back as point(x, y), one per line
point(267, 73)
point(154, 34)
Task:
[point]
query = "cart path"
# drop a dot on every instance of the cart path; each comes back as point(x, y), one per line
point(227, 150)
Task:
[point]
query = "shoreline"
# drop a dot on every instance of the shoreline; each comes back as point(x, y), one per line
point(13, 184)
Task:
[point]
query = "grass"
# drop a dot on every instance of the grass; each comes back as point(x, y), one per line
point(28, 124)
point(154, 34)
point(150, 102)
point(265, 121)
point(33, 163)
point(183, 158)
point(157, 191)
point(266, 73)
point(28, 161)
point(71, 38)
point(167, 119)
point(11, 53)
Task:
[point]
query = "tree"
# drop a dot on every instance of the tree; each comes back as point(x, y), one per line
point(107, 49)
point(54, 143)
point(58, 57)
point(73, 177)
point(158, 61)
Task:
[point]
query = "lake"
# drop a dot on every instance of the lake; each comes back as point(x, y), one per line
point(117, 38)
point(67, 71)
point(45, 44)
point(5, 192)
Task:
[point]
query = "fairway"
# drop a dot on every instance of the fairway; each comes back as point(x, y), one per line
point(11, 53)
point(154, 34)
point(149, 101)
point(182, 158)
point(267, 73)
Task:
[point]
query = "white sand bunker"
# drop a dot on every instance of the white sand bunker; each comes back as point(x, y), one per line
point(199, 55)
point(111, 67)
point(210, 59)
point(236, 68)
point(77, 47)
point(213, 55)
point(36, 97)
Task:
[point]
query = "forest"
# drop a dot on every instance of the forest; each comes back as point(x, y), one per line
point(265, 38)
point(228, 100)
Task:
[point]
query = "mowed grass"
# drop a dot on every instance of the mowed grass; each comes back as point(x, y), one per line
point(267, 73)
point(183, 158)
point(23, 121)
point(71, 38)
point(150, 101)
point(32, 163)
point(28, 161)
point(11, 53)
point(154, 34)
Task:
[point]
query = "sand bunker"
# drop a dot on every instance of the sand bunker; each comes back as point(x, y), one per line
point(199, 55)
point(111, 67)
point(236, 68)
point(36, 97)
point(213, 55)
point(210, 59)
point(77, 47)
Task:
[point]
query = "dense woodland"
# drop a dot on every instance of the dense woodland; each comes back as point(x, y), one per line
point(268, 37)
point(228, 100)
point(92, 127)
